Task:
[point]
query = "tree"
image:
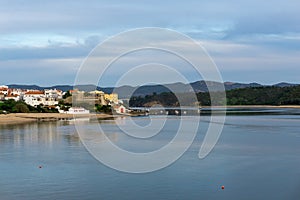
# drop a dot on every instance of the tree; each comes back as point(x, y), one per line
point(67, 94)
point(103, 108)
point(21, 108)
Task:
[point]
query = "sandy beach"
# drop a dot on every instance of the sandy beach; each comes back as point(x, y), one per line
point(17, 118)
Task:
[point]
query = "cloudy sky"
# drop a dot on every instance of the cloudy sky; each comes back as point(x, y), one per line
point(45, 42)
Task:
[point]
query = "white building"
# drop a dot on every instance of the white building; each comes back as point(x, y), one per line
point(53, 93)
point(75, 111)
point(32, 97)
point(35, 98)
point(15, 97)
point(19, 92)
point(49, 101)
point(120, 109)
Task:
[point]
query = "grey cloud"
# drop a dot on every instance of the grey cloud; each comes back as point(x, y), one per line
point(248, 17)
point(263, 27)
point(26, 53)
point(54, 49)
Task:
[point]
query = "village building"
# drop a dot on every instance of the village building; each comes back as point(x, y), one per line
point(15, 97)
point(99, 95)
point(77, 95)
point(4, 90)
point(112, 98)
point(35, 98)
point(50, 97)
point(50, 93)
point(75, 111)
point(120, 109)
point(53, 93)
point(14, 91)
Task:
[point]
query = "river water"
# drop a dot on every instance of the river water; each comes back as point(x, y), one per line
point(257, 157)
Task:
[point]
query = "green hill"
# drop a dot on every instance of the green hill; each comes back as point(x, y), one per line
point(269, 95)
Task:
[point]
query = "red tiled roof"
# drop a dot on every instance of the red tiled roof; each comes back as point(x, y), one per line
point(34, 92)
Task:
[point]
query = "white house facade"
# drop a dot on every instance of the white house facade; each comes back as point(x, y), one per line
point(15, 97)
point(35, 98)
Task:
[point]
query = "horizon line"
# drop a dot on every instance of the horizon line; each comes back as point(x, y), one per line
point(53, 85)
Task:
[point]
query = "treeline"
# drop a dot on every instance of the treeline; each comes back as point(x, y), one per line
point(264, 96)
point(166, 99)
point(12, 106)
point(245, 96)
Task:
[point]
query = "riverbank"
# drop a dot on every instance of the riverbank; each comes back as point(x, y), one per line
point(18, 118)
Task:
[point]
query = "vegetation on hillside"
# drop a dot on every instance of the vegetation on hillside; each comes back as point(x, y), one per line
point(165, 98)
point(264, 96)
point(246, 96)
point(12, 106)
point(103, 109)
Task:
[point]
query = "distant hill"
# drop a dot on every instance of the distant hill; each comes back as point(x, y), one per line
point(127, 91)
point(284, 84)
point(231, 86)
point(31, 87)
point(198, 86)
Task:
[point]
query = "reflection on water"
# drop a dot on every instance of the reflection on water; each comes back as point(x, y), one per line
point(37, 133)
point(257, 157)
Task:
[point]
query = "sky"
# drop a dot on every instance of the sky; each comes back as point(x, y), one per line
point(45, 42)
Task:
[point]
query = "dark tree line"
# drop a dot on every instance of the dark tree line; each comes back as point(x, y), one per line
point(264, 96)
point(165, 99)
point(245, 96)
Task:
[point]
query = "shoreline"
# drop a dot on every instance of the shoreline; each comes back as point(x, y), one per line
point(20, 118)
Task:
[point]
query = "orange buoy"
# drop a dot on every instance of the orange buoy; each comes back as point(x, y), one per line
point(223, 187)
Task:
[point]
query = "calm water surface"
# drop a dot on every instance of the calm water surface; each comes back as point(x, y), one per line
point(257, 157)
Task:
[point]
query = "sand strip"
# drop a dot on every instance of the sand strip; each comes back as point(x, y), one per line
point(17, 118)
